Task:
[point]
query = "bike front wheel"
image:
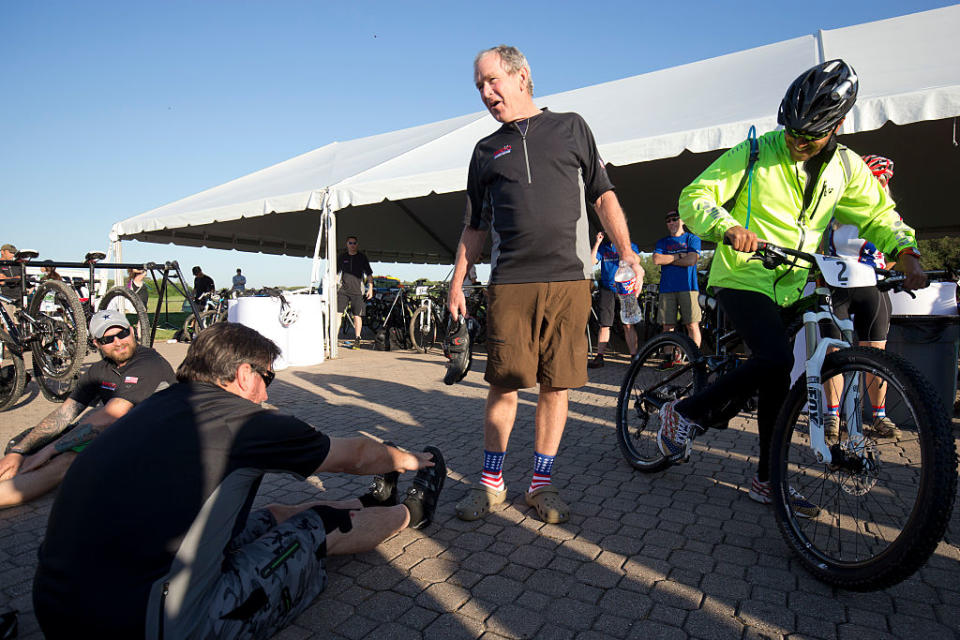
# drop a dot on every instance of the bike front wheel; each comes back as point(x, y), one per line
point(884, 502)
point(665, 369)
point(423, 330)
point(12, 373)
point(59, 339)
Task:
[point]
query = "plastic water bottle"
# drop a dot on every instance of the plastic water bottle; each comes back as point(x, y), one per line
point(626, 284)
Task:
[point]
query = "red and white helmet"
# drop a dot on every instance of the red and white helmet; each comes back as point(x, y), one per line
point(881, 167)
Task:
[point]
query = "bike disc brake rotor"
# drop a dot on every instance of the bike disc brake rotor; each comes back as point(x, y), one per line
point(862, 470)
point(53, 341)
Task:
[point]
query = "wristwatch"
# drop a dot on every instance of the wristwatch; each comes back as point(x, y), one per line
point(910, 251)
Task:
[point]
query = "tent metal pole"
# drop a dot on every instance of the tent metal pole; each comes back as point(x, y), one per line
point(330, 282)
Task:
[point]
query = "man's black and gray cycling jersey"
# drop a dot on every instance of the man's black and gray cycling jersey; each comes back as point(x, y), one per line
point(527, 183)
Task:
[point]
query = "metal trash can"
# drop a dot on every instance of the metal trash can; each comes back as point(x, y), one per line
point(930, 343)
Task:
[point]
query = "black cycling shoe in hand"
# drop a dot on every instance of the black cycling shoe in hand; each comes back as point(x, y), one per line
point(383, 489)
point(458, 348)
point(422, 497)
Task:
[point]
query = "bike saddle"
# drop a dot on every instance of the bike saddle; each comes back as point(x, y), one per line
point(27, 254)
point(93, 256)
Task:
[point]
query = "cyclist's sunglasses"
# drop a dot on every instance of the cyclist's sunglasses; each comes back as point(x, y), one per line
point(806, 135)
point(123, 333)
point(266, 375)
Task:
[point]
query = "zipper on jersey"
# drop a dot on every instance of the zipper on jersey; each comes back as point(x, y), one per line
point(526, 157)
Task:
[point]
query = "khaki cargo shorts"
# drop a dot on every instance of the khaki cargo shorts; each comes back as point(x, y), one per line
point(684, 301)
point(537, 333)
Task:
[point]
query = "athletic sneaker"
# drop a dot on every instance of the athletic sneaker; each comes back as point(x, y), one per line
point(596, 363)
point(356, 344)
point(760, 492)
point(674, 435)
point(885, 428)
point(831, 426)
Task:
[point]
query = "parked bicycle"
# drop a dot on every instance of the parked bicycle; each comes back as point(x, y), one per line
point(52, 328)
point(213, 309)
point(884, 504)
point(429, 320)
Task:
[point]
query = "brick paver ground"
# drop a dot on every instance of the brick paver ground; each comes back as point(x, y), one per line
point(678, 554)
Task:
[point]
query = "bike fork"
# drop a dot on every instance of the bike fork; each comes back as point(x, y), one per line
point(816, 405)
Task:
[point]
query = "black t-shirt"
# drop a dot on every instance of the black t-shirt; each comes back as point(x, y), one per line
point(528, 181)
point(142, 375)
point(10, 288)
point(353, 268)
point(128, 500)
point(202, 284)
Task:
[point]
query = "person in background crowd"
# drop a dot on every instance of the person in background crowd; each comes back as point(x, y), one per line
point(677, 254)
point(354, 268)
point(9, 279)
point(239, 282)
point(49, 272)
point(605, 254)
point(202, 283)
point(869, 307)
point(529, 183)
point(136, 283)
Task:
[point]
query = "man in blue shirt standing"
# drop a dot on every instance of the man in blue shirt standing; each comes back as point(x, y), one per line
point(677, 255)
point(605, 254)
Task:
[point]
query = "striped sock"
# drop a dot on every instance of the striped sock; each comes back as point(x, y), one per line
point(880, 412)
point(492, 476)
point(833, 409)
point(542, 468)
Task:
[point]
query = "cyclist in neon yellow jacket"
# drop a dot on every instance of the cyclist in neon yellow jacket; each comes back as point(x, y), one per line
point(801, 179)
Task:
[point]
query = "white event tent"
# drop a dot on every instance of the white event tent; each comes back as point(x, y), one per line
point(403, 191)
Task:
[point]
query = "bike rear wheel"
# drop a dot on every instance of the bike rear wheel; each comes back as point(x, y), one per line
point(664, 370)
point(12, 373)
point(191, 328)
point(59, 341)
point(129, 303)
point(884, 502)
point(423, 330)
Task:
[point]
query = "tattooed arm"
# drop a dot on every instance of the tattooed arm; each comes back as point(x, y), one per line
point(88, 428)
point(47, 430)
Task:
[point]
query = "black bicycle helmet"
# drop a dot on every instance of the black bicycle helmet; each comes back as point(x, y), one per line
point(819, 99)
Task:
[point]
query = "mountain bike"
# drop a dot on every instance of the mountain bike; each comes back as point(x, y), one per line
point(884, 503)
point(52, 329)
point(117, 298)
point(213, 309)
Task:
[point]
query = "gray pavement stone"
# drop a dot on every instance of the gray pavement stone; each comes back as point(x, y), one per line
point(676, 554)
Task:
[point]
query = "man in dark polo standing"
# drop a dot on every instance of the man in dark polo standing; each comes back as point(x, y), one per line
point(353, 268)
point(529, 183)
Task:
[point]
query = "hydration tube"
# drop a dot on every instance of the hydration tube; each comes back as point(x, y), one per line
point(752, 138)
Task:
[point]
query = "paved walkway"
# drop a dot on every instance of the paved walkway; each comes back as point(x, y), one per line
point(677, 554)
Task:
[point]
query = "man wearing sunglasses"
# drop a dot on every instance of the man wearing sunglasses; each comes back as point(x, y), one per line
point(801, 178)
point(128, 374)
point(154, 534)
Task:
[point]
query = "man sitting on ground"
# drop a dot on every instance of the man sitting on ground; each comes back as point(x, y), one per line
point(128, 374)
point(153, 533)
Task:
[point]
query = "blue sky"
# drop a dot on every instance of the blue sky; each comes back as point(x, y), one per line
point(110, 109)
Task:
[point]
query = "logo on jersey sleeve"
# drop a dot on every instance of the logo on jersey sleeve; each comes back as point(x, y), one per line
point(502, 151)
